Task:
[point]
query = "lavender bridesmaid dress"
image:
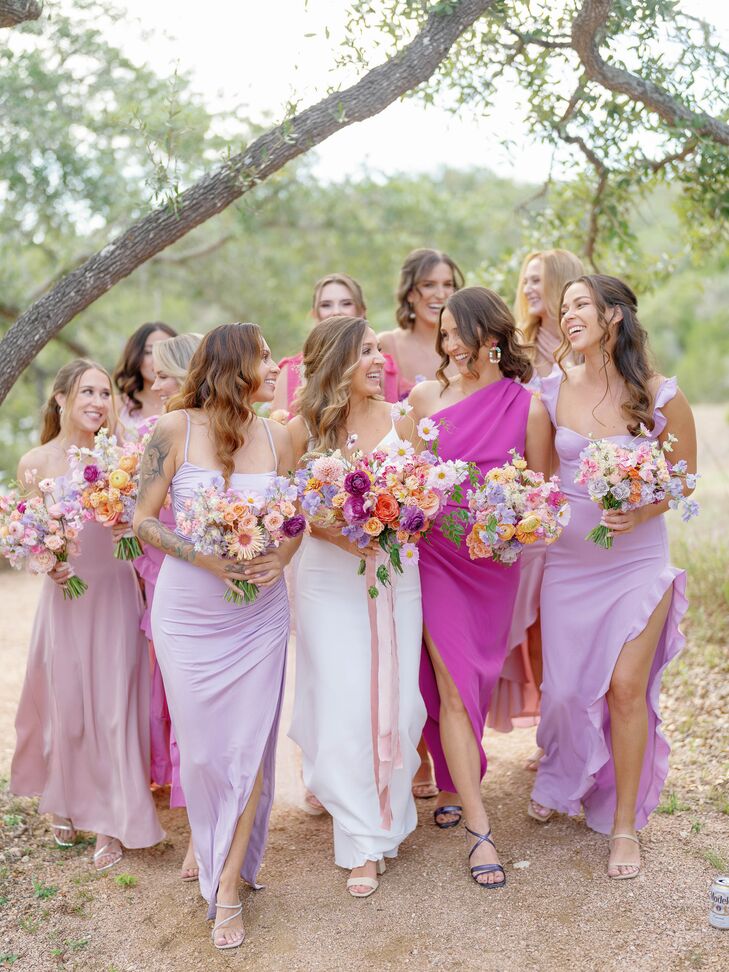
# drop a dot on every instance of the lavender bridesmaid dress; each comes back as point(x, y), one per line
point(467, 604)
point(593, 602)
point(223, 668)
point(83, 719)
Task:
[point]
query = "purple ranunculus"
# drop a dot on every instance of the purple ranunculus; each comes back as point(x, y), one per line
point(293, 527)
point(354, 509)
point(412, 519)
point(91, 473)
point(357, 483)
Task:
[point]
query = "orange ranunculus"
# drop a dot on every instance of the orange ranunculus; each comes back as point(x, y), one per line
point(106, 513)
point(506, 530)
point(387, 508)
point(476, 547)
point(430, 503)
point(128, 463)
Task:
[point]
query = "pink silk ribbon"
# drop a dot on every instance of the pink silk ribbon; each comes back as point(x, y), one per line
point(384, 688)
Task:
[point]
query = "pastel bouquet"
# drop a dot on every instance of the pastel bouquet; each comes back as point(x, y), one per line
point(627, 477)
point(107, 478)
point(240, 526)
point(511, 508)
point(37, 532)
point(386, 500)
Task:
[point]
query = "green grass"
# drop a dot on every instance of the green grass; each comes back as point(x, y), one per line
point(671, 804)
point(8, 958)
point(126, 880)
point(44, 891)
point(12, 820)
point(716, 860)
point(696, 827)
point(707, 563)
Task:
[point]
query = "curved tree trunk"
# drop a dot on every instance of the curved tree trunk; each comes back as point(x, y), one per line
point(217, 190)
point(14, 12)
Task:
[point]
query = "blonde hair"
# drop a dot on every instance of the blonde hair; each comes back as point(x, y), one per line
point(331, 355)
point(346, 281)
point(173, 355)
point(53, 418)
point(558, 266)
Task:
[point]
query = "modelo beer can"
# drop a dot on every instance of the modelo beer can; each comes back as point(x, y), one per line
point(719, 898)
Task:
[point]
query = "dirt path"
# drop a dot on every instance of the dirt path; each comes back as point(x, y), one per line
point(558, 911)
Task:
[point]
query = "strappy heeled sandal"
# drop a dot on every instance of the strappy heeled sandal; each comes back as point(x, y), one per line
point(439, 811)
point(102, 851)
point(479, 869)
point(238, 908)
point(636, 867)
point(368, 882)
point(64, 828)
point(533, 811)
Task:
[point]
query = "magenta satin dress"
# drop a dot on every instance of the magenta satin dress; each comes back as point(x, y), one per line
point(467, 604)
point(223, 668)
point(593, 602)
point(83, 719)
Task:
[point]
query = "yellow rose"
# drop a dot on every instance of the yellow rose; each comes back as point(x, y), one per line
point(119, 478)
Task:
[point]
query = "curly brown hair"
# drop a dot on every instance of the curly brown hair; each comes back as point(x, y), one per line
point(418, 263)
point(483, 318)
point(629, 353)
point(128, 372)
point(223, 374)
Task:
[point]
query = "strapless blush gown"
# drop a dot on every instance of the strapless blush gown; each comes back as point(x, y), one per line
point(593, 602)
point(223, 669)
point(83, 719)
point(468, 604)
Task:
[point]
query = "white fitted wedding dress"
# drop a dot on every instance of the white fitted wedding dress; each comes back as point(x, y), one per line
point(335, 698)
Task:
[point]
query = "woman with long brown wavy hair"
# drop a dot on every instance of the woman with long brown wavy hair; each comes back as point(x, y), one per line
point(222, 664)
point(610, 618)
point(134, 375)
point(83, 719)
point(485, 412)
point(336, 709)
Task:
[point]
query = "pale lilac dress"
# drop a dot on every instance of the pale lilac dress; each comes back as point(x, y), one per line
point(83, 719)
point(593, 602)
point(467, 604)
point(223, 667)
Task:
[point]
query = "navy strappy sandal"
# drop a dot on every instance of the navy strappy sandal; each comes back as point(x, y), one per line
point(478, 869)
point(439, 811)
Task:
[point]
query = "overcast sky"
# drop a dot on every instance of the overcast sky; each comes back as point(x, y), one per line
point(257, 53)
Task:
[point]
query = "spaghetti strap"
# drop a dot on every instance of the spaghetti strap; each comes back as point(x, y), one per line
point(187, 435)
point(270, 442)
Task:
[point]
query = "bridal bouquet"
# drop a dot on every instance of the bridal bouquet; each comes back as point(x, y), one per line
point(510, 509)
point(107, 478)
point(627, 477)
point(387, 499)
point(37, 532)
point(240, 526)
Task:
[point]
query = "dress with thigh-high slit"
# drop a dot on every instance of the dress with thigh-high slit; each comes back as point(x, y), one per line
point(468, 604)
point(593, 602)
point(223, 668)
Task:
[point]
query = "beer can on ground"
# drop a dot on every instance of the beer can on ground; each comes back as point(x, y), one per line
point(719, 898)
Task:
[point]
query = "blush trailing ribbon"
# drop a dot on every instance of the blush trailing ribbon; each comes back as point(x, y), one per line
point(384, 687)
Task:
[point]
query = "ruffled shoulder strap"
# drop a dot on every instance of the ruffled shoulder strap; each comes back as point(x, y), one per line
point(666, 391)
point(548, 391)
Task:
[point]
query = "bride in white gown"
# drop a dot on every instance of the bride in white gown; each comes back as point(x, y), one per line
point(333, 704)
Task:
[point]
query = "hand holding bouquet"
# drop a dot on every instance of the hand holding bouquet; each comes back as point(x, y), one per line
point(628, 477)
point(511, 508)
point(107, 478)
point(237, 527)
point(39, 532)
point(386, 500)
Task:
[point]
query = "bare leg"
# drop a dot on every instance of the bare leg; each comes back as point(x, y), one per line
point(423, 782)
point(190, 870)
point(230, 877)
point(626, 699)
point(463, 758)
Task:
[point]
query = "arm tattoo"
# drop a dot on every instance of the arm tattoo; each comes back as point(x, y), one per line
point(153, 460)
point(153, 532)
